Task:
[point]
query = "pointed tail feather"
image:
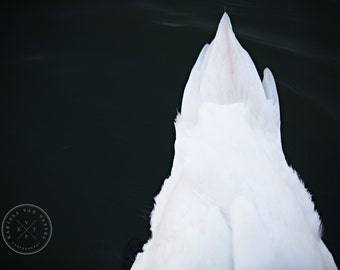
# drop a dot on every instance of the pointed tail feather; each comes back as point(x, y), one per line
point(224, 73)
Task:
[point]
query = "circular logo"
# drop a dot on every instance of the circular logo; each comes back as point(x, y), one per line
point(26, 229)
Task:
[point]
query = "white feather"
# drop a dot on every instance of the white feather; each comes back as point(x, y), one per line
point(232, 202)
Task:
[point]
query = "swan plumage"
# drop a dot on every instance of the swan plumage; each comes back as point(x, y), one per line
point(232, 201)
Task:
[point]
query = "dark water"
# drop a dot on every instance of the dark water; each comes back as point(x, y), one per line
point(89, 92)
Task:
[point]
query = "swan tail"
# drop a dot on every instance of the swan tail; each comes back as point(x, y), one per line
point(224, 73)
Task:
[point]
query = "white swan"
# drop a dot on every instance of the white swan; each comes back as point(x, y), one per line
point(231, 202)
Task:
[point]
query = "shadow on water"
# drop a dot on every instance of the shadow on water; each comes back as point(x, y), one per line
point(133, 247)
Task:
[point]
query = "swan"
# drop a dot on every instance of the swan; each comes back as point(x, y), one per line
point(231, 201)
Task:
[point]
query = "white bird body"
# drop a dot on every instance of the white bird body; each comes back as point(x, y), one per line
point(232, 202)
